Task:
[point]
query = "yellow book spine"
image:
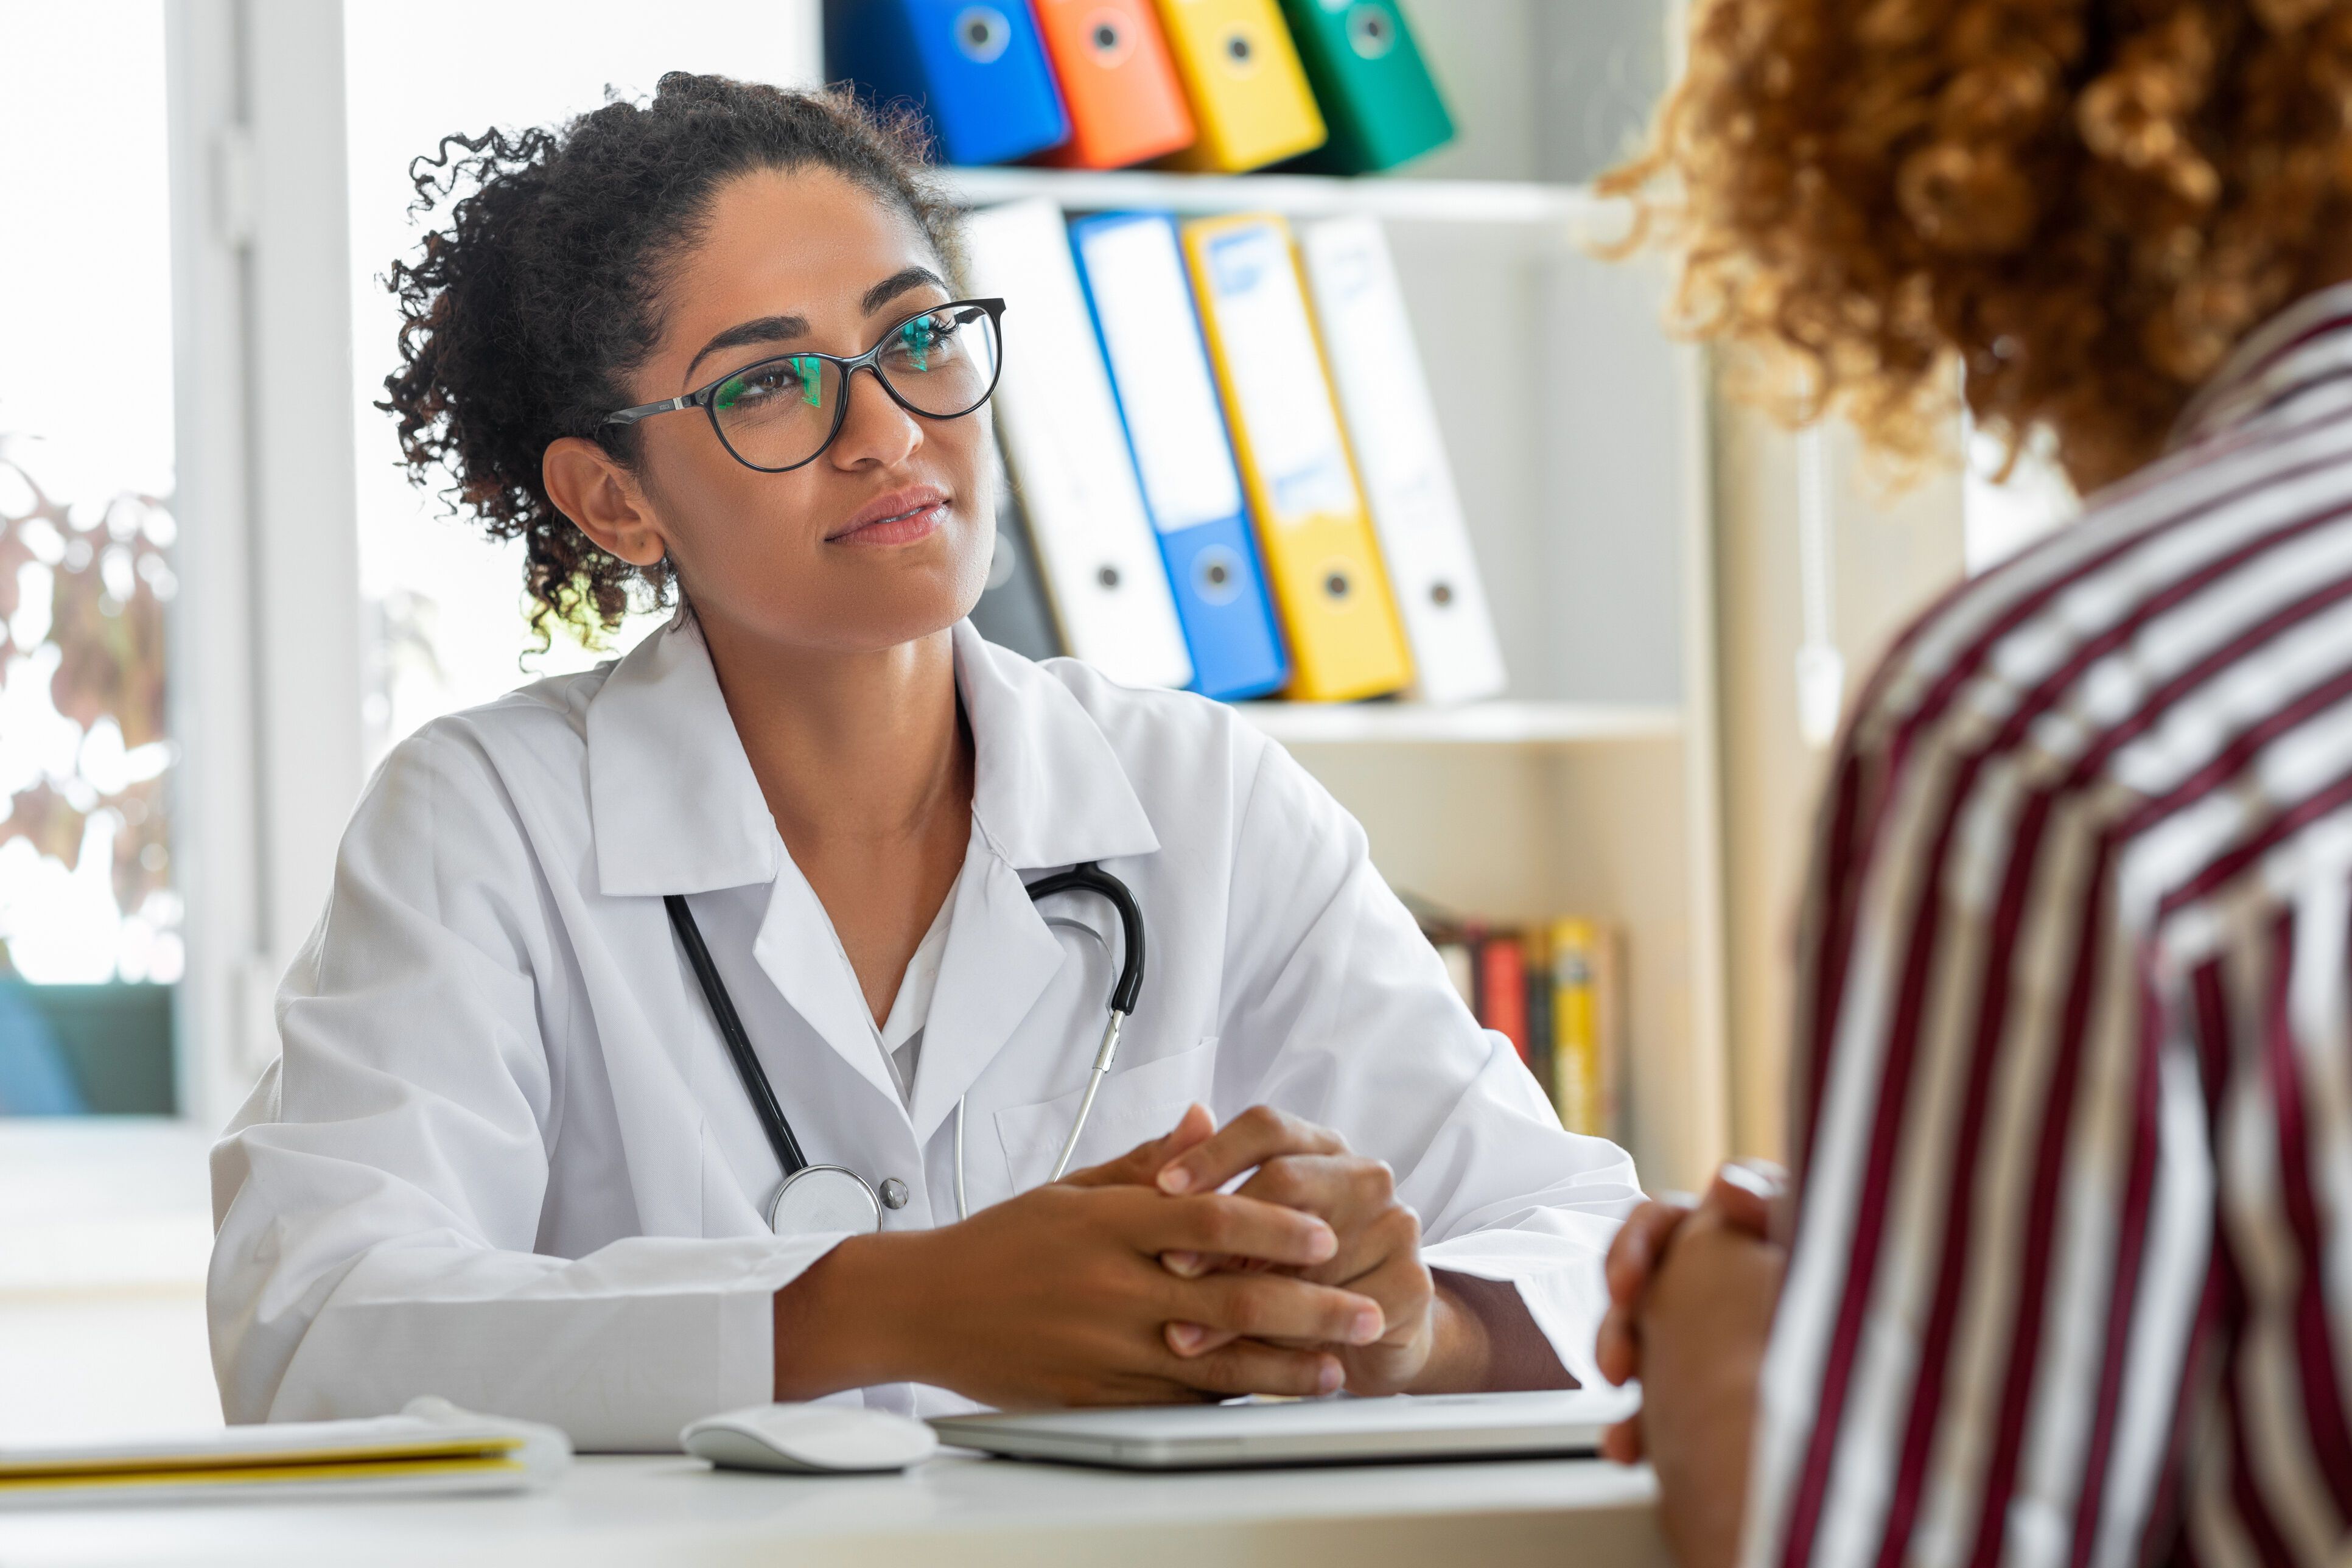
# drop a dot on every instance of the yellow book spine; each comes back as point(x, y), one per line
point(1322, 561)
point(1251, 103)
point(1579, 1056)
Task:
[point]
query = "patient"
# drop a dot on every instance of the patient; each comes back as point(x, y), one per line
point(2065, 1270)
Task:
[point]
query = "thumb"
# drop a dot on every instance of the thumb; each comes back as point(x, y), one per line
point(1139, 1165)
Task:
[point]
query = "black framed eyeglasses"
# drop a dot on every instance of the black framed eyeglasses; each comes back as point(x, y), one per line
point(782, 412)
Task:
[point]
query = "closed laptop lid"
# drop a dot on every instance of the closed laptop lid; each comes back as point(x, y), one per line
point(1303, 1432)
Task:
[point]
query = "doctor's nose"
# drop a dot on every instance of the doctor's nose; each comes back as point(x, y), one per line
point(874, 429)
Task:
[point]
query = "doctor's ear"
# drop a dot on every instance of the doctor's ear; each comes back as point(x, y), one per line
point(602, 497)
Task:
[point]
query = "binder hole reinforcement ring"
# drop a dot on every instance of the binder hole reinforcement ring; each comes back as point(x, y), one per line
point(1108, 36)
point(1217, 575)
point(1241, 52)
point(1370, 33)
point(983, 33)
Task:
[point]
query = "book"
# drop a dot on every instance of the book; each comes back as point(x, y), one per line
point(1586, 1047)
point(431, 1446)
point(1133, 268)
point(1118, 83)
point(1095, 546)
point(1503, 988)
point(1314, 533)
point(1379, 102)
point(1249, 100)
point(1391, 423)
point(977, 73)
point(1014, 611)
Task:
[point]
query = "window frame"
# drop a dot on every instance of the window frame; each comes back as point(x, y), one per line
point(266, 673)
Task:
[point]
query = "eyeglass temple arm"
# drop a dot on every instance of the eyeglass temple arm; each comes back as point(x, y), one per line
point(648, 410)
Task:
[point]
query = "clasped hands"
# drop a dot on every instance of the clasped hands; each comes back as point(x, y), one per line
point(1359, 1271)
point(1138, 1282)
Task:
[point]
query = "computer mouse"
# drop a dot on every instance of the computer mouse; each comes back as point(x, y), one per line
point(810, 1439)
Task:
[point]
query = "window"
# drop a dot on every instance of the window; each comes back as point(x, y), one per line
point(90, 937)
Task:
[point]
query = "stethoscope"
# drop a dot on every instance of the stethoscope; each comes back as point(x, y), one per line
point(816, 1199)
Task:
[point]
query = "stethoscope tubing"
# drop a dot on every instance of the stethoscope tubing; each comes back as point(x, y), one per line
point(1084, 877)
point(739, 1043)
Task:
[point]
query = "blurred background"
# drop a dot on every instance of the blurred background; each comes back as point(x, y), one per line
point(221, 601)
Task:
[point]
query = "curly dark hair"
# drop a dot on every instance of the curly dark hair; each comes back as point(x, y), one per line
point(2084, 203)
point(522, 316)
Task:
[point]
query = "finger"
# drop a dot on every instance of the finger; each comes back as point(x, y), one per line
point(1255, 1136)
point(1339, 1187)
point(1189, 1339)
point(1271, 1307)
point(1617, 1347)
point(1139, 1164)
point(1216, 1224)
point(1403, 1288)
point(1622, 1442)
point(1744, 1193)
point(1252, 1366)
point(1633, 1252)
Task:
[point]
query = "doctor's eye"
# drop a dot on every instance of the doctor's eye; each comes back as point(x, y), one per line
point(943, 362)
point(929, 342)
point(772, 384)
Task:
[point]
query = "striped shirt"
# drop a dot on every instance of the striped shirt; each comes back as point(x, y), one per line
point(2071, 1275)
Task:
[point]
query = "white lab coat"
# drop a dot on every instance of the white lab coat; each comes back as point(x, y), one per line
point(504, 1157)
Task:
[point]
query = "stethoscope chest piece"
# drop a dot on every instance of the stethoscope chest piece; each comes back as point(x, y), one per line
point(820, 1199)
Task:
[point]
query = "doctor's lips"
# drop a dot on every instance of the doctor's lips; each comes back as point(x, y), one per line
point(900, 517)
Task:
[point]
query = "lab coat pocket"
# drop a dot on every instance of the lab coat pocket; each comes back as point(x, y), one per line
point(1134, 1105)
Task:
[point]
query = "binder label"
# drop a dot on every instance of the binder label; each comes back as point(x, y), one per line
point(1136, 270)
point(1278, 375)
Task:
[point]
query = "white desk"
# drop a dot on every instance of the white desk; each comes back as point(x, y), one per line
point(951, 1512)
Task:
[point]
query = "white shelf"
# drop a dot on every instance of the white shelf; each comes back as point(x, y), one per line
point(1478, 724)
point(1573, 208)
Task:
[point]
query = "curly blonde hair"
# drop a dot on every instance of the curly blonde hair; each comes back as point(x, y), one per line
point(2085, 204)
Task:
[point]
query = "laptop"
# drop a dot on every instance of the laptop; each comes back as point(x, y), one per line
point(1338, 1431)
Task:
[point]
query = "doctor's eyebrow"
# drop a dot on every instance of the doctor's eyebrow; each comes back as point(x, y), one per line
point(899, 283)
point(784, 329)
point(766, 330)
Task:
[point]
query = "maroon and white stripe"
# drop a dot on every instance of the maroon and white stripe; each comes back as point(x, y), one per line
point(2072, 1283)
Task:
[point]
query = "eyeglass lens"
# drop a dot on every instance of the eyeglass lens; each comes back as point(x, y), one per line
point(782, 412)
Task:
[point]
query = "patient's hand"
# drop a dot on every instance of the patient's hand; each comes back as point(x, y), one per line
point(1743, 1194)
point(1704, 1326)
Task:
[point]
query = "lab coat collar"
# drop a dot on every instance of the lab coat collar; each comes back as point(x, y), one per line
point(676, 808)
point(1046, 787)
point(672, 800)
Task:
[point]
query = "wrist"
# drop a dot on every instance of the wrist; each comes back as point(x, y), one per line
point(839, 1325)
point(1483, 1337)
point(1459, 1348)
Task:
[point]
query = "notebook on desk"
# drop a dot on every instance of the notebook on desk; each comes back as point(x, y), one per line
point(1402, 1429)
point(433, 1446)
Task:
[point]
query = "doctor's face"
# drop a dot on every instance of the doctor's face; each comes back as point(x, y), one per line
point(885, 536)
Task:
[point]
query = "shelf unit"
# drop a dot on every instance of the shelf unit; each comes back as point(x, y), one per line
point(1573, 211)
point(1498, 723)
point(1579, 439)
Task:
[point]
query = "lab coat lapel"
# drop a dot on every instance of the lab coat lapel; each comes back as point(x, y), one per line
point(677, 809)
point(798, 949)
point(1047, 791)
point(1000, 957)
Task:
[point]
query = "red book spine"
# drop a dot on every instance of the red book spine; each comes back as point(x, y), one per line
point(1503, 989)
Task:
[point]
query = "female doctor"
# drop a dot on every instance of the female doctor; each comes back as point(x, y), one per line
point(509, 1154)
